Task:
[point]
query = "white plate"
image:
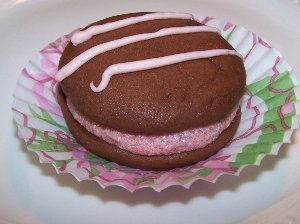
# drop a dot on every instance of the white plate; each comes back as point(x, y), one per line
point(33, 193)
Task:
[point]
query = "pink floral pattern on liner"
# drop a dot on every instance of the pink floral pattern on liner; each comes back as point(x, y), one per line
point(271, 103)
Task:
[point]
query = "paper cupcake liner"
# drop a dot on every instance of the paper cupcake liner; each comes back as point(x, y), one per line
point(270, 109)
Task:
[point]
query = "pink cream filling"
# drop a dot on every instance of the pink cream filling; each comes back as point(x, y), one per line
point(150, 145)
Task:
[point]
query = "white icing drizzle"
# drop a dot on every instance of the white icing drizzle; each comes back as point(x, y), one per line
point(156, 63)
point(84, 35)
point(78, 61)
point(140, 65)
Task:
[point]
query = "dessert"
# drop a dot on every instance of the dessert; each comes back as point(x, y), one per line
point(153, 91)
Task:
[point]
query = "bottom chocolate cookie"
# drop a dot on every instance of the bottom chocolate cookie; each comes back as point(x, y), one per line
point(123, 157)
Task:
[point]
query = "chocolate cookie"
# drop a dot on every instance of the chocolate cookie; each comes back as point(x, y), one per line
point(151, 90)
point(162, 100)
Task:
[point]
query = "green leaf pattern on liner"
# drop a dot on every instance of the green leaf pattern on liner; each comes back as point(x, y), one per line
point(283, 81)
point(250, 154)
point(47, 117)
point(275, 137)
point(141, 181)
point(95, 171)
point(275, 122)
point(229, 35)
point(204, 172)
point(47, 146)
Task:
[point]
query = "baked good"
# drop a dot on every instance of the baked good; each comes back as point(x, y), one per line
point(152, 91)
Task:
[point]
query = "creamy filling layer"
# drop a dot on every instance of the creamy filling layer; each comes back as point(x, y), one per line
point(151, 145)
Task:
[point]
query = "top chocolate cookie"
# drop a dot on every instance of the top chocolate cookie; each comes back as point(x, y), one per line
point(166, 99)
